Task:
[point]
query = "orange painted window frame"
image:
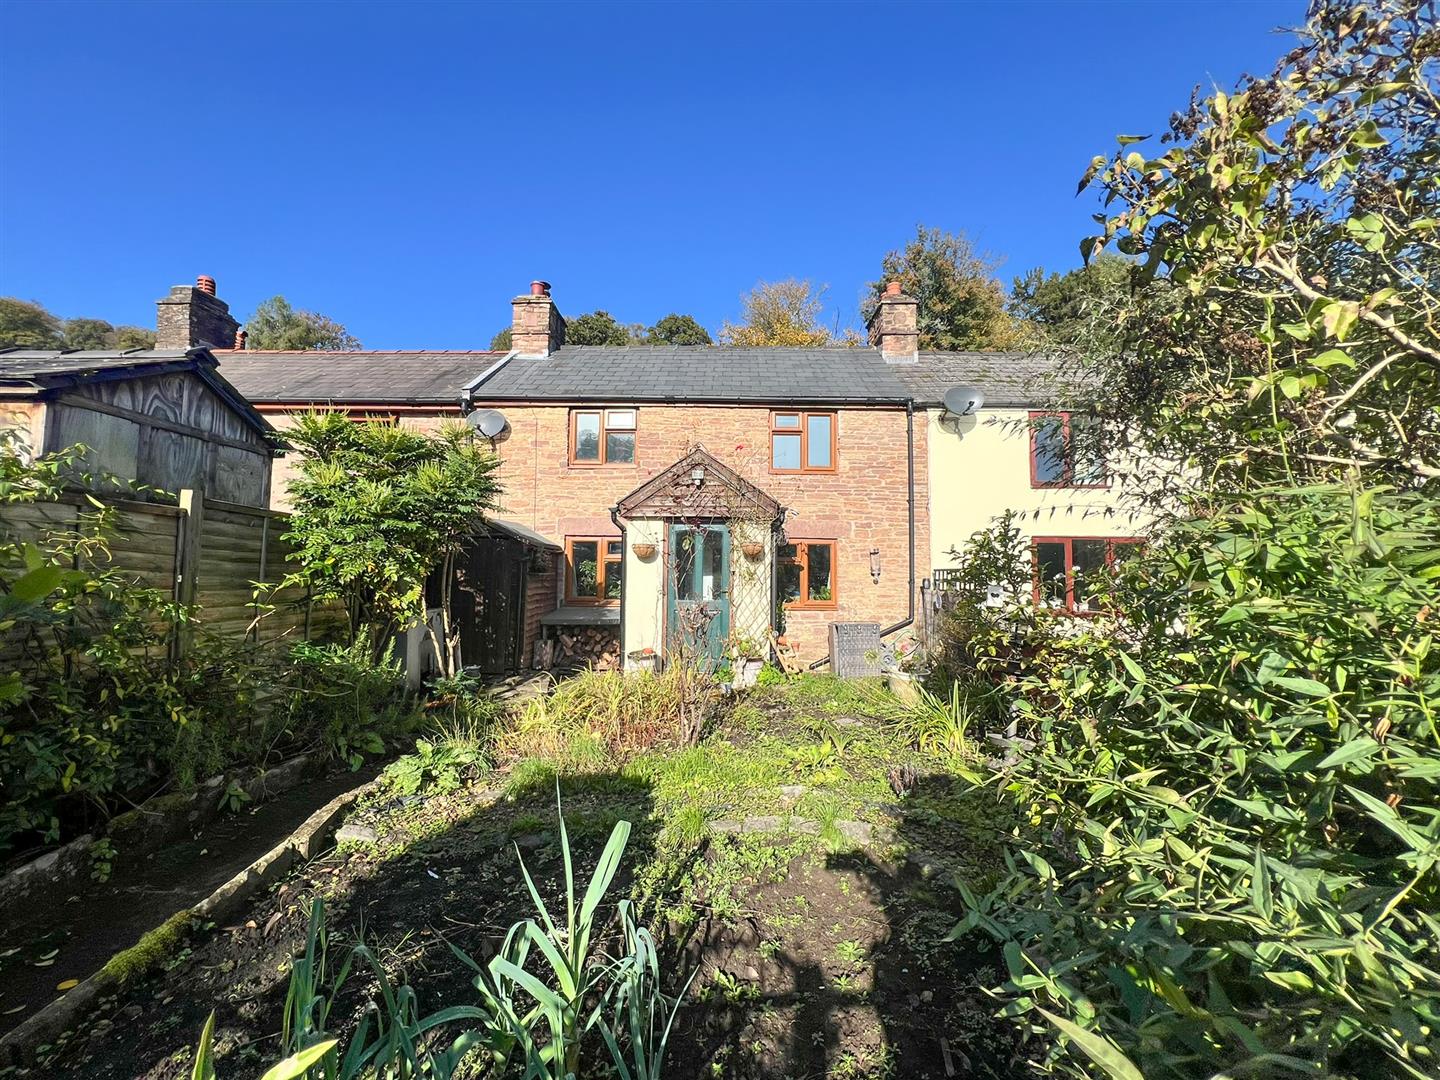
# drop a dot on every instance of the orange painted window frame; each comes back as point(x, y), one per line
point(804, 432)
point(602, 559)
point(802, 560)
point(605, 429)
point(1069, 543)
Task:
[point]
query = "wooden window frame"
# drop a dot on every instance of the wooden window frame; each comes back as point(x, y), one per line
point(804, 432)
point(1068, 463)
point(802, 559)
point(601, 578)
point(604, 414)
point(1069, 607)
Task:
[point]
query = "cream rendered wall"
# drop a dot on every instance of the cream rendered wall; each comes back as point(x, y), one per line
point(644, 585)
point(980, 467)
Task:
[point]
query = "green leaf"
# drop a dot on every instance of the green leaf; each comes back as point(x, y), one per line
point(1099, 1050)
point(1308, 687)
point(298, 1065)
point(204, 1068)
point(1351, 751)
point(37, 584)
point(1260, 894)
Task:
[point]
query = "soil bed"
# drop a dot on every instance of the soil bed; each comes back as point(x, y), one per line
point(44, 942)
point(813, 957)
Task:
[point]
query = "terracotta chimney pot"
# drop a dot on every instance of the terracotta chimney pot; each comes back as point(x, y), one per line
point(206, 284)
point(892, 288)
point(539, 288)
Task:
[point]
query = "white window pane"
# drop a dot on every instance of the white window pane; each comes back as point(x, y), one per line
point(787, 420)
point(621, 418)
point(817, 451)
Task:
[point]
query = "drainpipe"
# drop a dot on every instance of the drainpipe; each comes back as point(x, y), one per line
point(910, 500)
point(615, 518)
point(910, 492)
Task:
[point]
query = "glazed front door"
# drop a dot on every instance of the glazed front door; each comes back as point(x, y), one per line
point(697, 605)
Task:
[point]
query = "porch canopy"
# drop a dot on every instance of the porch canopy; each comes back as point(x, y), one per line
point(699, 561)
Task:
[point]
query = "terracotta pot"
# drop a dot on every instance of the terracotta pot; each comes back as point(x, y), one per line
point(643, 551)
point(752, 549)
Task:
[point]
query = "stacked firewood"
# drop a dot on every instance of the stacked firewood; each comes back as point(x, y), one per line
point(597, 646)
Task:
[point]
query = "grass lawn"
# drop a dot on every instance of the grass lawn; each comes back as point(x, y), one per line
point(775, 861)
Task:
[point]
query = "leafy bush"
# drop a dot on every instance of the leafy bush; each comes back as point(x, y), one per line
point(441, 767)
point(1234, 801)
point(342, 701)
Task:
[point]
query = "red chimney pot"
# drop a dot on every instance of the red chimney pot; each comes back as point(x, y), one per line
point(892, 288)
point(539, 288)
point(206, 284)
point(240, 340)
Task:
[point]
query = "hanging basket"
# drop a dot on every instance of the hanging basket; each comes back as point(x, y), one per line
point(752, 549)
point(643, 551)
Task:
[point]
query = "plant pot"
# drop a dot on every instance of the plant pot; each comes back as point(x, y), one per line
point(752, 549)
point(903, 686)
point(643, 551)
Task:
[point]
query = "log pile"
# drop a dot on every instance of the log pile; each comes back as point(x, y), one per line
point(597, 646)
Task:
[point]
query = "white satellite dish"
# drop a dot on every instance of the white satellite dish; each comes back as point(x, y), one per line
point(488, 422)
point(963, 400)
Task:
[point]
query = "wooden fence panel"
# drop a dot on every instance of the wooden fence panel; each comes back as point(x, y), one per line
point(226, 558)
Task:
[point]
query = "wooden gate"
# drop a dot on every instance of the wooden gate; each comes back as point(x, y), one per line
point(489, 604)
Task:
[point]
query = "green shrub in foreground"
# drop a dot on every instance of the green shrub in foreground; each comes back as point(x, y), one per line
point(1234, 803)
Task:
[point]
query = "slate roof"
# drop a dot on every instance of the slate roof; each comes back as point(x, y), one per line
point(1006, 378)
point(396, 378)
point(696, 373)
point(49, 370)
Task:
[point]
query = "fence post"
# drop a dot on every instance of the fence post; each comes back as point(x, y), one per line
point(187, 564)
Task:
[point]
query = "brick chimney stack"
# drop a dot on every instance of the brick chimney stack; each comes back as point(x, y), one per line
point(192, 315)
point(538, 328)
point(894, 326)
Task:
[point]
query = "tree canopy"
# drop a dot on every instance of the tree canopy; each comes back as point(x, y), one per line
point(961, 301)
point(503, 341)
point(1289, 232)
point(1078, 306)
point(784, 313)
point(595, 328)
point(277, 325)
point(29, 325)
point(676, 329)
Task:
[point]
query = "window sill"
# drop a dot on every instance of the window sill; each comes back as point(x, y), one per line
point(825, 606)
point(601, 464)
point(1069, 487)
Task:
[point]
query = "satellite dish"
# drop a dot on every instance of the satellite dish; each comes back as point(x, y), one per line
point(963, 400)
point(488, 422)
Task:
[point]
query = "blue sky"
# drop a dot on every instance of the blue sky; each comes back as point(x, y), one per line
point(408, 168)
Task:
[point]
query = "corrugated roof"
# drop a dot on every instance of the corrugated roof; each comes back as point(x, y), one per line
point(399, 378)
point(1005, 378)
point(695, 373)
point(39, 365)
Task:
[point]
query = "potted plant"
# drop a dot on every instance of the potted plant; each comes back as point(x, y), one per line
point(643, 551)
point(752, 549)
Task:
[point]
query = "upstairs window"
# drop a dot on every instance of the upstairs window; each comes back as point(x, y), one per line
point(593, 569)
point(602, 437)
point(807, 574)
point(1065, 452)
point(1066, 568)
point(802, 442)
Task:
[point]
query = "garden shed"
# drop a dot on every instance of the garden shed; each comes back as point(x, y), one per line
point(155, 418)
